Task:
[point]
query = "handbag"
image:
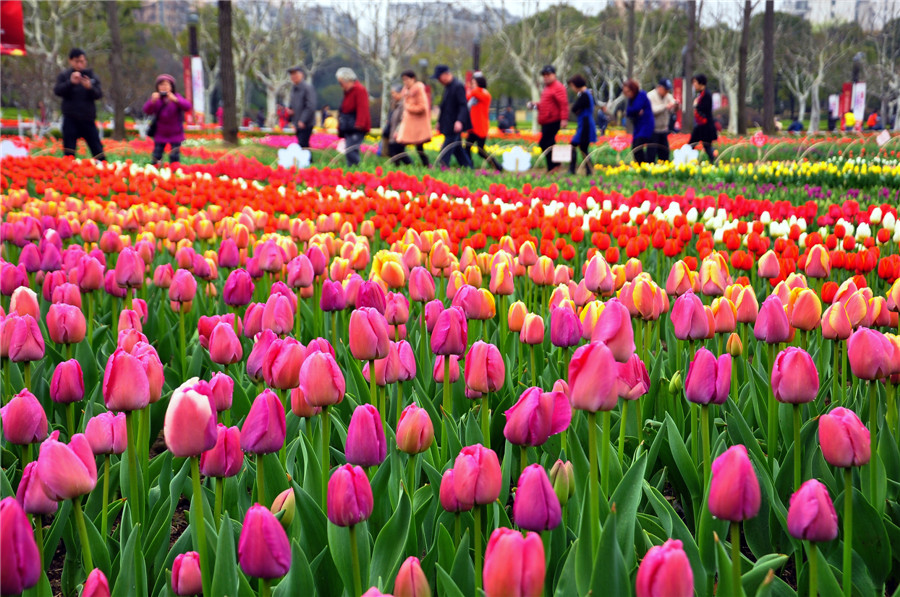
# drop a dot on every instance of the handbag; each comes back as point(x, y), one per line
point(151, 130)
point(346, 123)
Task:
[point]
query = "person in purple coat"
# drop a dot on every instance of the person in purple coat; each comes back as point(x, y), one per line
point(168, 109)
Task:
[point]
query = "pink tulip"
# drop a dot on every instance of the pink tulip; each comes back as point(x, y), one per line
point(224, 345)
point(263, 547)
point(433, 310)
point(31, 494)
point(129, 271)
point(450, 333)
point(225, 458)
point(107, 433)
point(634, 381)
point(795, 379)
point(265, 428)
point(514, 566)
point(536, 416)
point(26, 343)
point(665, 571)
point(396, 309)
point(437, 372)
point(614, 329)
point(415, 432)
point(366, 445)
point(186, 578)
point(24, 419)
point(447, 494)
point(421, 285)
point(689, 318)
point(811, 514)
point(333, 298)
point(149, 360)
point(261, 343)
point(532, 329)
point(565, 328)
point(368, 337)
point(163, 275)
point(282, 362)
point(278, 315)
point(844, 439)
point(708, 379)
point(733, 489)
point(222, 388)
point(24, 302)
point(477, 475)
point(126, 386)
point(321, 380)
point(20, 565)
point(593, 378)
point(238, 289)
point(536, 507)
point(67, 471)
point(485, 370)
point(96, 584)
point(772, 324)
point(300, 272)
point(301, 407)
point(350, 498)
point(190, 424)
point(411, 580)
point(183, 287)
point(870, 354)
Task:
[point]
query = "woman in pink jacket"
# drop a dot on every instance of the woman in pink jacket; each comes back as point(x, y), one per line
point(167, 108)
point(415, 126)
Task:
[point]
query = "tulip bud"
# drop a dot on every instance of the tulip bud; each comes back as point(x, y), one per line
point(516, 316)
point(224, 345)
point(688, 317)
point(20, 567)
point(285, 502)
point(67, 471)
point(811, 514)
point(67, 383)
point(222, 388)
point(772, 325)
point(593, 378)
point(844, 439)
point(368, 337)
point(126, 386)
point(708, 379)
point(794, 376)
point(263, 548)
point(321, 380)
point(514, 565)
point(190, 424)
point(733, 489)
point(415, 432)
point(565, 328)
point(107, 433)
point(869, 353)
point(31, 494)
point(24, 302)
point(350, 498)
point(366, 445)
point(734, 346)
point(225, 458)
point(476, 475)
point(264, 429)
point(485, 370)
point(282, 362)
point(96, 585)
point(24, 419)
point(186, 578)
point(536, 507)
point(675, 384)
point(665, 571)
point(448, 494)
point(411, 580)
point(562, 478)
point(66, 324)
point(238, 289)
point(333, 297)
point(450, 333)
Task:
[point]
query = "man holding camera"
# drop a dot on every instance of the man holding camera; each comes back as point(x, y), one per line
point(79, 89)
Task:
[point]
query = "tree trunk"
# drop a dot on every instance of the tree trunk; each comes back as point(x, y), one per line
point(630, 68)
point(240, 84)
point(687, 120)
point(742, 70)
point(535, 96)
point(226, 72)
point(801, 110)
point(115, 69)
point(733, 108)
point(814, 113)
point(271, 105)
point(769, 68)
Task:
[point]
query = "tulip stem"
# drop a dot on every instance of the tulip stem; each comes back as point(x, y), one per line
point(26, 366)
point(604, 456)
point(485, 421)
point(813, 569)
point(523, 457)
point(890, 416)
point(264, 589)
point(82, 535)
point(423, 342)
point(354, 556)
point(89, 298)
point(326, 454)
point(133, 498)
point(220, 491)
point(333, 328)
point(594, 495)
point(411, 475)
point(622, 423)
point(373, 389)
point(478, 554)
point(104, 514)
point(704, 433)
point(873, 429)
point(797, 459)
point(773, 416)
point(456, 525)
point(736, 558)
point(260, 481)
point(27, 456)
point(399, 402)
point(200, 524)
point(70, 418)
point(848, 531)
point(182, 338)
point(534, 381)
point(448, 402)
point(835, 347)
point(844, 368)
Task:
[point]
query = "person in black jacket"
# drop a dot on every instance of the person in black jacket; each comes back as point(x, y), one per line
point(704, 125)
point(454, 118)
point(79, 89)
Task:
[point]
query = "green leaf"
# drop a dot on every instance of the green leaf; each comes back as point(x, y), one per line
point(626, 499)
point(339, 544)
point(447, 587)
point(132, 579)
point(463, 567)
point(754, 579)
point(724, 567)
point(566, 585)
point(99, 551)
point(41, 589)
point(679, 531)
point(683, 460)
point(390, 545)
point(299, 580)
point(870, 538)
point(610, 575)
point(225, 578)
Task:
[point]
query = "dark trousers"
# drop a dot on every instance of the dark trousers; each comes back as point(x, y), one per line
point(303, 136)
point(641, 152)
point(399, 149)
point(457, 150)
point(473, 140)
point(353, 142)
point(160, 148)
point(548, 140)
point(710, 152)
point(72, 130)
point(660, 150)
point(584, 145)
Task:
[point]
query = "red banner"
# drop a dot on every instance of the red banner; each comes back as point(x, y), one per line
point(846, 100)
point(12, 28)
point(678, 94)
point(188, 87)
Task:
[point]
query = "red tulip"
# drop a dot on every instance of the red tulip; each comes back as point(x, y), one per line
point(263, 547)
point(24, 419)
point(514, 566)
point(225, 458)
point(844, 439)
point(190, 424)
point(733, 489)
point(536, 507)
point(20, 565)
point(476, 476)
point(811, 514)
point(350, 498)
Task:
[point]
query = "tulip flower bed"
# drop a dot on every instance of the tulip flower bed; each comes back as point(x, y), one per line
point(357, 383)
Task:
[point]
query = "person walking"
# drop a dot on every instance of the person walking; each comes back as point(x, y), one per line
point(602, 120)
point(354, 120)
point(586, 133)
point(704, 126)
point(393, 148)
point(302, 106)
point(479, 103)
point(79, 89)
point(663, 105)
point(641, 115)
point(552, 111)
point(167, 128)
point(415, 124)
point(454, 117)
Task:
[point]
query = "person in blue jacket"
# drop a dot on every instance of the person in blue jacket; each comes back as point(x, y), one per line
point(641, 114)
point(586, 133)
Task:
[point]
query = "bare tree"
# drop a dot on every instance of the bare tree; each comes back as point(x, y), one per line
point(743, 58)
point(886, 65)
point(226, 60)
point(115, 60)
point(689, 49)
point(719, 53)
point(769, 68)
